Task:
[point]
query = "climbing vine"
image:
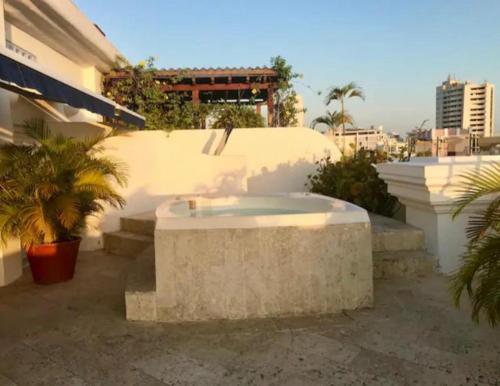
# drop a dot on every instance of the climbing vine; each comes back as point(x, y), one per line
point(135, 87)
point(285, 96)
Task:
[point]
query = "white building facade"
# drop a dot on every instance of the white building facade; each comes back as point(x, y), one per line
point(52, 59)
point(55, 41)
point(465, 105)
point(373, 138)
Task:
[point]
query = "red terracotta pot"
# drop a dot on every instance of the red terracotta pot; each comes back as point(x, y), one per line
point(53, 263)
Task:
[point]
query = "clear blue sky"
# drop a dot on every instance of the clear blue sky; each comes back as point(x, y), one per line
point(398, 51)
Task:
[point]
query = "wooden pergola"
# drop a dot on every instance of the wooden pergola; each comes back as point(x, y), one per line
point(255, 85)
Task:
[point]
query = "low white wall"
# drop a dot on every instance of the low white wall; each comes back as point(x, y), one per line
point(428, 187)
point(254, 160)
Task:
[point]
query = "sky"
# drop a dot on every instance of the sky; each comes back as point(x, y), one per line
point(397, 51)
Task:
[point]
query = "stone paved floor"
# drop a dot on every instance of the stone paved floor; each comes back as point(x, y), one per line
point(75, 334)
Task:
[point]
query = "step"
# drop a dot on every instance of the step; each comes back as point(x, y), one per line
point(143, 223)
point(388, 234)
point(126, 243)
point(395, 264)
point(392, 235)
point(140, 291)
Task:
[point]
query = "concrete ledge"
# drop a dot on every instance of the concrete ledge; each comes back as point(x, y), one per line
point(143, 223)
point(392, 235)
point(396, 264)
point(126, 243)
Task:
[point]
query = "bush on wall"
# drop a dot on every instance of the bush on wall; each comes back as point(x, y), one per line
point(355, 180)
point(236, 116)
point(139, 91)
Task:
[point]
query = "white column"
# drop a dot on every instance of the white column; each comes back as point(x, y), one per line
point(11, 267)
point(428, 189)
point(10, 255)
point(5, 114)
point(2, 25)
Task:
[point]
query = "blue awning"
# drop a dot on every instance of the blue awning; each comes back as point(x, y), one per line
point(24, 78)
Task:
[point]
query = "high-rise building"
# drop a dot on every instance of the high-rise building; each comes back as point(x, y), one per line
point(465, 105)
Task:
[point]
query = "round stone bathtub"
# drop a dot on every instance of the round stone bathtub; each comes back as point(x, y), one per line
point(237, 257)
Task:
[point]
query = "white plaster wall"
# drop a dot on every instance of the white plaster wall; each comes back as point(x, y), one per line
point(161, 164)
point(429, 187)
point(45, 55)
point(278, 159)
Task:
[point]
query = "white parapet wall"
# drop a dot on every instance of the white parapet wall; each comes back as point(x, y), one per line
point(428, 187)
point(161, 164)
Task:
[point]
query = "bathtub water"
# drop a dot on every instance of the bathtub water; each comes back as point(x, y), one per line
point(236, 211)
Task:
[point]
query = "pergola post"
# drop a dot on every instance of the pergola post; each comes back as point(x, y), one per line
point(270, 107)
point(196, 96)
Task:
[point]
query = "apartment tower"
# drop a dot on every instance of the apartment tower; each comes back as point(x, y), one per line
point(465, 105)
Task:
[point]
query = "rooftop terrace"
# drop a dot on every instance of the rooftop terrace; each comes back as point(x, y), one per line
point(75, 333)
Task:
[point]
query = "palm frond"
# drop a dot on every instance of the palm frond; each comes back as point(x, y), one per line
point(356, 93)
point(350, 90)
point(67, 209)
point(93, 182)
point(480, 273)
point(480, 277)
point(325, 120)
point(485, 221)
point(333, 119)
point(37, 224)
point(475, 185)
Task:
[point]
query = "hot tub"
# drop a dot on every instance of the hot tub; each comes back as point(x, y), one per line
point(239, 257)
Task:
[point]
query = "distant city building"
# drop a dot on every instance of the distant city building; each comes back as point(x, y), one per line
point(373, 138)
point(444, 142)
point(465, 105)
point(395, 143)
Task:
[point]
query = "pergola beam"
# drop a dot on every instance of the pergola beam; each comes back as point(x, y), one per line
point(215, 87)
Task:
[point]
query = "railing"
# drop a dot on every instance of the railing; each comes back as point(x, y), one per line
point(21, 51)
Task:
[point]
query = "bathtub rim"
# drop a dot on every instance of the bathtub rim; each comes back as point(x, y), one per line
point(166, 220)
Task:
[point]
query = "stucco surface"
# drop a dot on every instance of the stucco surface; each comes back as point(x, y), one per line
point(75, 333)
point(262, 272)
point(161, 164)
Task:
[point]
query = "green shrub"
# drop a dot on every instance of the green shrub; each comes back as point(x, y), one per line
point(236, 116)
point(355, 180)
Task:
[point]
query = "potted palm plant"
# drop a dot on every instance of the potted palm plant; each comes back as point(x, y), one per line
point(47, 190)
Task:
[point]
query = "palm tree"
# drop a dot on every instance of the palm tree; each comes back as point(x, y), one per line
point(340, 94)
point(333, 120)
point(50, 187)
point(480, 272)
